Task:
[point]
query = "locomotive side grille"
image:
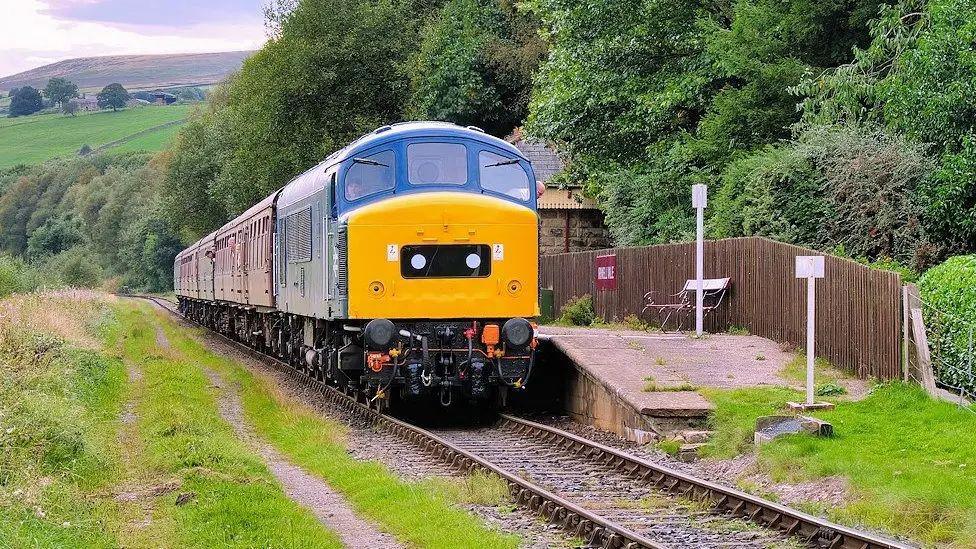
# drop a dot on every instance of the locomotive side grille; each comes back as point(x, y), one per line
point(298, 236)
point(342, 284)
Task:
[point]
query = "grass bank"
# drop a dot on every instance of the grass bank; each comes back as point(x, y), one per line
point(106, 440)
point(908, 459)
point(425, 514)
point(60, 399)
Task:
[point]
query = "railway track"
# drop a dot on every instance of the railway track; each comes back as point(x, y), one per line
point(606, 497)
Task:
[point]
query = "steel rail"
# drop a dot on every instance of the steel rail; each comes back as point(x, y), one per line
point(813, 530)
point(598, 531)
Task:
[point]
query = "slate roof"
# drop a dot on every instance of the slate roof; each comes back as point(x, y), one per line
point(545, 161)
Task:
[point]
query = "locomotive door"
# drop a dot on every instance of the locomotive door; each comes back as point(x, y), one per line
point(329, 263)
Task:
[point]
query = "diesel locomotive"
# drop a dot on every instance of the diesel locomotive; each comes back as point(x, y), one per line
point(403, 267)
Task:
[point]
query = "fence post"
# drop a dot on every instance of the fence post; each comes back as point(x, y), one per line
point(904, 329)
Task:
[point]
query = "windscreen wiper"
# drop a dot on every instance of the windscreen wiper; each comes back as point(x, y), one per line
point(368, 162)
point(502, 163)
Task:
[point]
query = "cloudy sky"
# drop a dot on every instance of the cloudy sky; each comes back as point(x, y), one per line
point(38, 32)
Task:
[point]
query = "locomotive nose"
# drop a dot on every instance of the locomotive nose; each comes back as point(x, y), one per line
point(443, 255)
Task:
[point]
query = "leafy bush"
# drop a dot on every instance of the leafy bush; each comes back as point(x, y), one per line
point(949, 290)
point(856, 188)
point(16, 276)
point(916, 78)
point(578, 311)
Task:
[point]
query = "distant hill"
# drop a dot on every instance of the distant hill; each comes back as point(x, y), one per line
point(135, 71)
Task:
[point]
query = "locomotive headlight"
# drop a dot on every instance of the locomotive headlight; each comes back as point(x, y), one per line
point(379, 334)
point(418, 261)
point(473, 261)
point(516, 332)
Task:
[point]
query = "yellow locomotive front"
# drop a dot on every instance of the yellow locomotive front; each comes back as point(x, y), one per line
point(442, 272)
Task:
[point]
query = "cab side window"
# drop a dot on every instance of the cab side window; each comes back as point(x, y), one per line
point(502, 174)
point(370, 174)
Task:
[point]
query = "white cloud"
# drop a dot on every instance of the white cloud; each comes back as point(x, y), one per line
point(29, 37)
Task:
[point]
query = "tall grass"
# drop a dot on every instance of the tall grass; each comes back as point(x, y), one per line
point(59, 401)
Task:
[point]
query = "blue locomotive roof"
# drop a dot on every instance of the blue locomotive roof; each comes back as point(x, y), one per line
point(418, 129)
point(313, 181)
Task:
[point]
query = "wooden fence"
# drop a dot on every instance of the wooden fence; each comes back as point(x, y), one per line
point(859, 309)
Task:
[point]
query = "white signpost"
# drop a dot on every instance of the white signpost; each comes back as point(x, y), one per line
point(699, 199)
point(810, 267)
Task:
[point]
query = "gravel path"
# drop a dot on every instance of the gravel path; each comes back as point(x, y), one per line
point(365, 442)
point(308, 490)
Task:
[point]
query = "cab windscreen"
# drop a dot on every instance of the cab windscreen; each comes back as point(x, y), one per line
point(445, 261)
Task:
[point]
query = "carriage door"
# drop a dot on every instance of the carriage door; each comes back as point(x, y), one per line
point(246, 261)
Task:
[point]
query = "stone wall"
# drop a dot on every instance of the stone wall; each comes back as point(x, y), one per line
point(586, 231)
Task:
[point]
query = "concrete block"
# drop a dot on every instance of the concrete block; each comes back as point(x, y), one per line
point(640, 436)
point(696, 437)
point(689, 452)
point(803, 406)
point(772, 427)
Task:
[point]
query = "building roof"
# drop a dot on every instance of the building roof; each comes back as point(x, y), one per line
point(565, 199)
point(546, 163)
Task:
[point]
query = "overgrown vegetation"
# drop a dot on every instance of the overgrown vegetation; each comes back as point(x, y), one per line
point(59, 403)
point(906, 457)
point(578, 311)
point(649, 98)
point(949, 293)
point(77, 222)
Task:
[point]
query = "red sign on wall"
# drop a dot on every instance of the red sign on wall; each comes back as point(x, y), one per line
point(606, 272)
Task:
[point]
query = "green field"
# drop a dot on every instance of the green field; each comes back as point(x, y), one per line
point(34, 139)
point(155, 141)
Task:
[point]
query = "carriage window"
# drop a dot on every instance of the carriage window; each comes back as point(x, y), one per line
point(437, 164)
point(370, 174)
point(504, 175)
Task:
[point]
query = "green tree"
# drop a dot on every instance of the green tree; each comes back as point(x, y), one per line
point(475, 65)
point(60, 90)
point(112, 96)
point(54, 236)
point(335, 71)
point(27, 101)
point(917, 78)
point(70, 108)
point(648, 97)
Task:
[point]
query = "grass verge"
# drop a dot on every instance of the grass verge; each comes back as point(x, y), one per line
point(908, 459)
point(423, 514)
point(233, 500)
point(59, 406)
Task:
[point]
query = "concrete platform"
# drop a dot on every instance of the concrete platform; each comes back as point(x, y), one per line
point(636, 383)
